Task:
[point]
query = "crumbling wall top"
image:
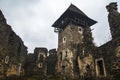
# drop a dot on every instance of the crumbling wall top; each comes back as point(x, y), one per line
point(112, 6)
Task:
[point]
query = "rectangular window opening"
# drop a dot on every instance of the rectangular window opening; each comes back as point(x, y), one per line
point(100, 68)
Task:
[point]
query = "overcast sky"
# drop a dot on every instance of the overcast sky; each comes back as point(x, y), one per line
point(32, 19)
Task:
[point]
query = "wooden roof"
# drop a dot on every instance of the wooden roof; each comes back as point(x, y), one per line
point(71, 12)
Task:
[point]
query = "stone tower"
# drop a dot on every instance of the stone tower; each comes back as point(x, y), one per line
point(114, 19)
point(74, 39)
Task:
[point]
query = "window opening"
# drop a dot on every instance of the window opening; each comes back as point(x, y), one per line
point(64, 39)
point(100, 68)
point(60, 55)
point(40, 65)
point(6, 59)
point(66, 54)
point(79, 29)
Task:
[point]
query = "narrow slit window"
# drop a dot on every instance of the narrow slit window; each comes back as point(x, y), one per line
point(64, 40)
point(66, 54)
point(60, 55)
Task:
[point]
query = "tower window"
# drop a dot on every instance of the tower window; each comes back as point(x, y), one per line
point(61, 56)
point(64, 40)
point(80, 30)
point(66, 54)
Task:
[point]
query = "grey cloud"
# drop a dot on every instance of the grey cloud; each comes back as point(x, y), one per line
point(32, 19)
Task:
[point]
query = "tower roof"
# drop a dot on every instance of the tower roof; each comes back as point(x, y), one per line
point(2, 18)
point(73, 11)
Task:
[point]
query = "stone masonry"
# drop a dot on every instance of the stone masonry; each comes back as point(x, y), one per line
point(12, 50)
point(74, 43)
point(76, 58)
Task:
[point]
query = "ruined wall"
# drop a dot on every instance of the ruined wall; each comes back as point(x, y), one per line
point(12, 49)
point(30, 64)
point(51, 62)
point(114, 19)
point(40, 54)
point(109, 54)
point(107, 62)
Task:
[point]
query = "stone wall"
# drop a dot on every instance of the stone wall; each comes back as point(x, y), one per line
point(12, 50)
point(107, 56)
point(41, 62)
point(51, 62)
point(75, 43)
point(109, 52)
point(30, 64)
point(114, 19)
point(40, 54)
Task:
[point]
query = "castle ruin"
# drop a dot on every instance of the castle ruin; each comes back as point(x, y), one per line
point(76, 58)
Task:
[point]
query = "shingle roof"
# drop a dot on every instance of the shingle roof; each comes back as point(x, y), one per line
point(73, 11)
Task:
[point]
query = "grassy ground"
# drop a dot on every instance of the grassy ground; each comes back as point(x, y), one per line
point(43, 78)
point(34, 77)
point(49, 77)
point(31, 78)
